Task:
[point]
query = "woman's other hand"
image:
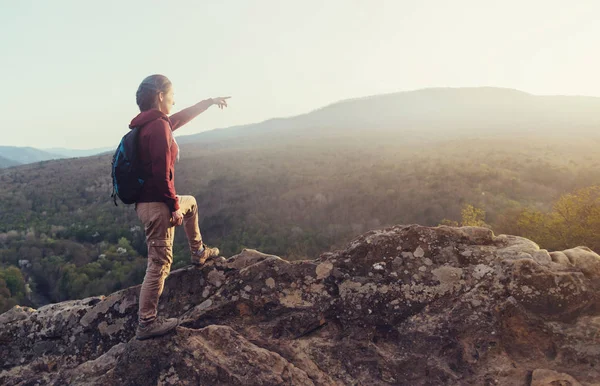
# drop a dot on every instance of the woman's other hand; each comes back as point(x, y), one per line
point(177, 218)
point(220, 101)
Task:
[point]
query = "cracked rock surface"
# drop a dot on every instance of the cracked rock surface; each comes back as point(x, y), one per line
point(405, 305)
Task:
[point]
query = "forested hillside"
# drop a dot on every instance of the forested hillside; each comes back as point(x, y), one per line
point(294, 195)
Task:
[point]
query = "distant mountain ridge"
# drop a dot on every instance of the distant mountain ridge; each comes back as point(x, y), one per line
point(411, 116)
point(26, 155)
point(15, 155)
point(70, 153)
point(439, 111)
point(5, 162)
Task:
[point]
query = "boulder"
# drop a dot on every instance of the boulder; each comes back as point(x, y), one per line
point(404, 305)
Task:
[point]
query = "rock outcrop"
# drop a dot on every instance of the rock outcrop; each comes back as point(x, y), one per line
point(406, 305)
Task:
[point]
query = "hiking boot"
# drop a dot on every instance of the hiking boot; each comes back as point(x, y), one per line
point(159, 326)
point(204, 253)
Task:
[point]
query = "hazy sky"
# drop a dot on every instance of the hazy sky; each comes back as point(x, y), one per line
point(70, 69)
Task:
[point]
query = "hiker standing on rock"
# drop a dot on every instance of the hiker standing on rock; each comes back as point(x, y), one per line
point(159, 208)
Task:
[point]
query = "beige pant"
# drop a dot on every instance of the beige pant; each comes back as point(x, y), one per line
point(156, 218)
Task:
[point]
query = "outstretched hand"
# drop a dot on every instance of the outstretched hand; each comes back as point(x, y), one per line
point(220, 101)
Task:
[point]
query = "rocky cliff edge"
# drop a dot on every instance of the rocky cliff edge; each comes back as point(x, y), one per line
point(405, 305)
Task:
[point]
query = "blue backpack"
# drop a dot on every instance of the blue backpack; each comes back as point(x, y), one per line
point(126, 173)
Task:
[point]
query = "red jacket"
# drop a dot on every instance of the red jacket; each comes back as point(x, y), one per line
point(158, 151)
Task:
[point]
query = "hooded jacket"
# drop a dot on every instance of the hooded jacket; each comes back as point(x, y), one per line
point(158, 151)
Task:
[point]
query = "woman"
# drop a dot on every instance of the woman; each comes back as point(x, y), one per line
point(159, 208)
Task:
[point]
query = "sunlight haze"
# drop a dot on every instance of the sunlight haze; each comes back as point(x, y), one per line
point(70, 69)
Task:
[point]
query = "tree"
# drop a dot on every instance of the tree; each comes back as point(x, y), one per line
point(4, 291)
point(14, 281)
point(472, 216)
point(574, 220)
point(124, 243)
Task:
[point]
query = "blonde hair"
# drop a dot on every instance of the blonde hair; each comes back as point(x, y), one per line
point(150, 87)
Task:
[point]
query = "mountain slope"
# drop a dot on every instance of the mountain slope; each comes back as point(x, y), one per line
point(5, 162)
point(70, 153)
point(26, 155)
point(433, 113)
point(14, 155)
